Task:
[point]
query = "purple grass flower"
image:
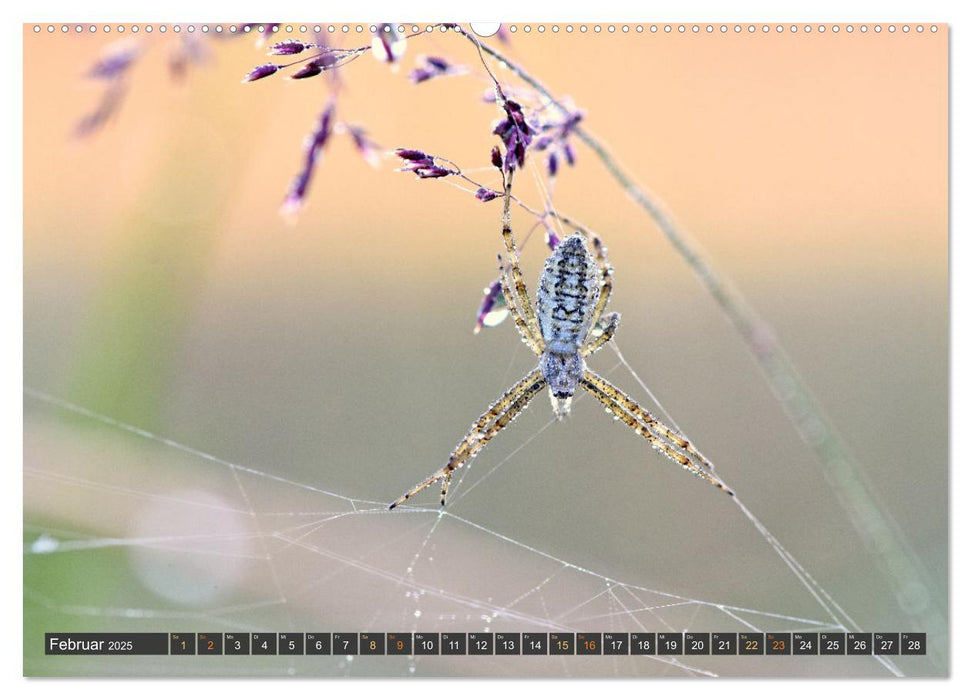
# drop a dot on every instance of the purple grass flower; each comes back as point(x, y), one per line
point(116, 61)
point(555, 137)
point(388, 45)
point(312, 149)
point(552, 240)
point(107, 108)
point(260, 72)
point(420, 75)
point(431, 171)
point(290, 47)
point(330, 59)
point(113, 68)
point(421, 164)
point(432, 68)
point(516, 134)
point(485, 195)
point(367, 148)
point(493, 309)
point(327, 60)
point(309, 69)
point(410, 154)
point(568, 153)
point(496, 157)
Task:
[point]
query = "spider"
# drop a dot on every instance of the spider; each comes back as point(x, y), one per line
point(567, 325)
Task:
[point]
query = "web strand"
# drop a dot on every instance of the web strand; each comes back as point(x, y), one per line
point(607, 601)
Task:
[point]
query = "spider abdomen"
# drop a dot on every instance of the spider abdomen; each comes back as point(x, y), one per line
point(566, 296)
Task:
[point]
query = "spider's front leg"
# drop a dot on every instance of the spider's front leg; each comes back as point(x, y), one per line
point(499, 415)
point(519, 305)
point(531, 338)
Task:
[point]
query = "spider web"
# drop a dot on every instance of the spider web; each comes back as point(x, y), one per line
point(239, 548)
point(130, 529)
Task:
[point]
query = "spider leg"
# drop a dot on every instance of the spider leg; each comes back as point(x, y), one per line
point(606, 277)
point(499, 415)
point(522, 294)
point(662, 438)
point(468, 449)
point(534, 341)
point(609, 324)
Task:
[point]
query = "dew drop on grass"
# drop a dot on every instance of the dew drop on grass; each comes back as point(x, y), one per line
point(44, 545)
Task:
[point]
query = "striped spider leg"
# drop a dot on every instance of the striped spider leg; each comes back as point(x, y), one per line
point(510, 404)
point(499, 415)
point(567, 325)
point(666, 441)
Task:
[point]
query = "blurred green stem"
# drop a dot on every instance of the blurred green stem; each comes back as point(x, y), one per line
point(130, 337)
